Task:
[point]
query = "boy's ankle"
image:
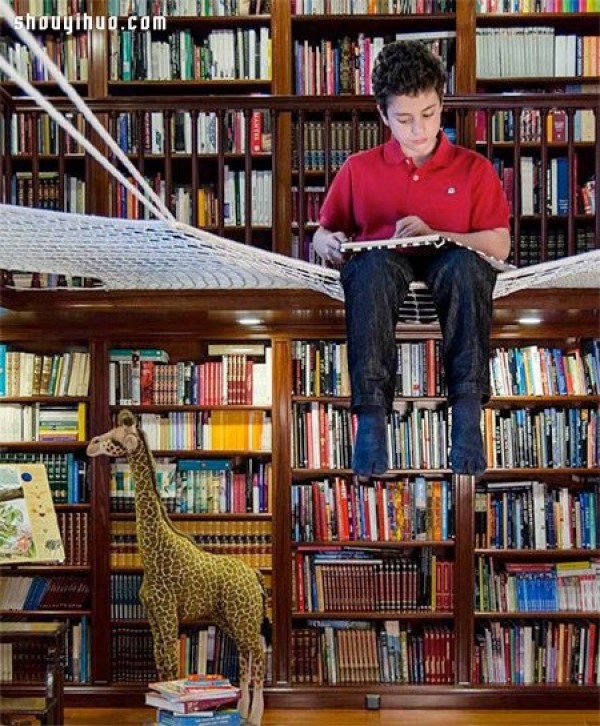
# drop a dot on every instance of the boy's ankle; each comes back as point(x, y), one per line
point(467, 453)
point(370, 457)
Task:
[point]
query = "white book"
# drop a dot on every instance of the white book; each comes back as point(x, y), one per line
point(539, 514)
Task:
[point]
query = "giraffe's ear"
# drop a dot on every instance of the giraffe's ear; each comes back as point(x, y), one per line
point(125, 418)
point(130, 442)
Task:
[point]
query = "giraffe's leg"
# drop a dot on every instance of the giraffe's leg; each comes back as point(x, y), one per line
point(164, 627)
point(258, 678)
point(244, 702)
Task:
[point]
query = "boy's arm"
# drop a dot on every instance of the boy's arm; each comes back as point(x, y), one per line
point(327, 245)
point(493, 242)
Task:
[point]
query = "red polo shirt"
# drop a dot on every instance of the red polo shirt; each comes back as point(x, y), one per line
point(456, 190)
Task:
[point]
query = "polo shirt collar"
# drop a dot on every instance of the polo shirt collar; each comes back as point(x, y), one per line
point(442, 156)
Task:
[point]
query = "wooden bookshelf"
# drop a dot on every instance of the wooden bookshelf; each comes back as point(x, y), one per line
point(154, 318)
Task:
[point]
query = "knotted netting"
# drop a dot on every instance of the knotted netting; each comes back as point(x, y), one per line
point(165, 254)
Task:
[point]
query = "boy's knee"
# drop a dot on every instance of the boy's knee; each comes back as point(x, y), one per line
point(465, 268)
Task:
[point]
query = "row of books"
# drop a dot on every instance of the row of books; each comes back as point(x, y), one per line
point(53, 374)
point(207, 430)
point(27, 661)
point(342, 141)
point(133, 661)
point(308, 202)
point(66, 195)
point(343, 509)
point(132, 655)
point(535, 370)
point(341, 652)
point(547, 652)
point(67, 476)
point(260, 211)
point(536, 6)
point(142, 378)
point(345, 66)
point(320, 368)
point(250, 540)
point(535, 51)
point(372, 7)
point(146, 132)
point(49, 7)
point(534, 515)
point(69, 52)
point(345, 580)
point(243, 53)
point(206, 209)
point(530, 124)
point(24, 422)
point(323, 435)
point(189, 8)
point(75, 534)
point(550, 438)
point(199, 486)
point(36, 280)
point(62, 592)
point(530, 246)
point(535, 192)
point(125, 604)
point(537, 587)
point(42, 133)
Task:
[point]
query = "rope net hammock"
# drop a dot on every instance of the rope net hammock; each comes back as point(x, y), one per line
point(165, 254)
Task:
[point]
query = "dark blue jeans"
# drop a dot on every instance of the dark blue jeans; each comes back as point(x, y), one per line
point(376, 282)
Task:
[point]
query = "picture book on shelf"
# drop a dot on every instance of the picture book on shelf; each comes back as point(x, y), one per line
point(28, 524)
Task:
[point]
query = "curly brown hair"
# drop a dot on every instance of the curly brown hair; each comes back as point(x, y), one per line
point(406, 68)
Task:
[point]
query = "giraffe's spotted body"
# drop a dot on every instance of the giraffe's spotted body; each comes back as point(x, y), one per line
point(181, 581)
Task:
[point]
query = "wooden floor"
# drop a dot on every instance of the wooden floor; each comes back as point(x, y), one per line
point(141, 717)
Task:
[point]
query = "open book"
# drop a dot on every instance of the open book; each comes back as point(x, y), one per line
point(28, 526)
point(426, 240)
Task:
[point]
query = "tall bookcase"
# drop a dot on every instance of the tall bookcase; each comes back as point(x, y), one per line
point(447, 530)
point(472, 675)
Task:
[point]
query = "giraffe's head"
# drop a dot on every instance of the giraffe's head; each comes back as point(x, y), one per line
point(120, 441)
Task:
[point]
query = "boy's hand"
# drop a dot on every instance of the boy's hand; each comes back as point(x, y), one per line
point(412, 226)
point(327, 245)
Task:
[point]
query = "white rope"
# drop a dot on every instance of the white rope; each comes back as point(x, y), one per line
point(158, 208)
point(76, 135)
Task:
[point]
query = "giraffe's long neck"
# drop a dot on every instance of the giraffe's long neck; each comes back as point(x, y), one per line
point(153, 525)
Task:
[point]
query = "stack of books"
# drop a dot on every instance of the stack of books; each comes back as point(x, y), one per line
point(196, 700)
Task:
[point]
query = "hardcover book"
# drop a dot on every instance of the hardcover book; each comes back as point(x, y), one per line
point(28, 525)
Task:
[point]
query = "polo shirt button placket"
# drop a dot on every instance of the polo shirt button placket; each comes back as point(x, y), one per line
point(416, 177)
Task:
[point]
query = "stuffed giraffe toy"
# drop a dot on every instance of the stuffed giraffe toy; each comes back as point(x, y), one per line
point(182, 582)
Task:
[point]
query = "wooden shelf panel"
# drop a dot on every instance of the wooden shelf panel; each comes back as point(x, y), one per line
point(166, 408)
point(45, 613)
point(49, 569)
point(213, 453)
point(47, 400)
point(43, 446)
point(191, 516)
point(391, 474)
point(566, 615)
point(370, 615)
point(362, 544)
point(506, 554)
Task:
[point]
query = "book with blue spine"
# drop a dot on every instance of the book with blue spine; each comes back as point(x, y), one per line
point(202, 718)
